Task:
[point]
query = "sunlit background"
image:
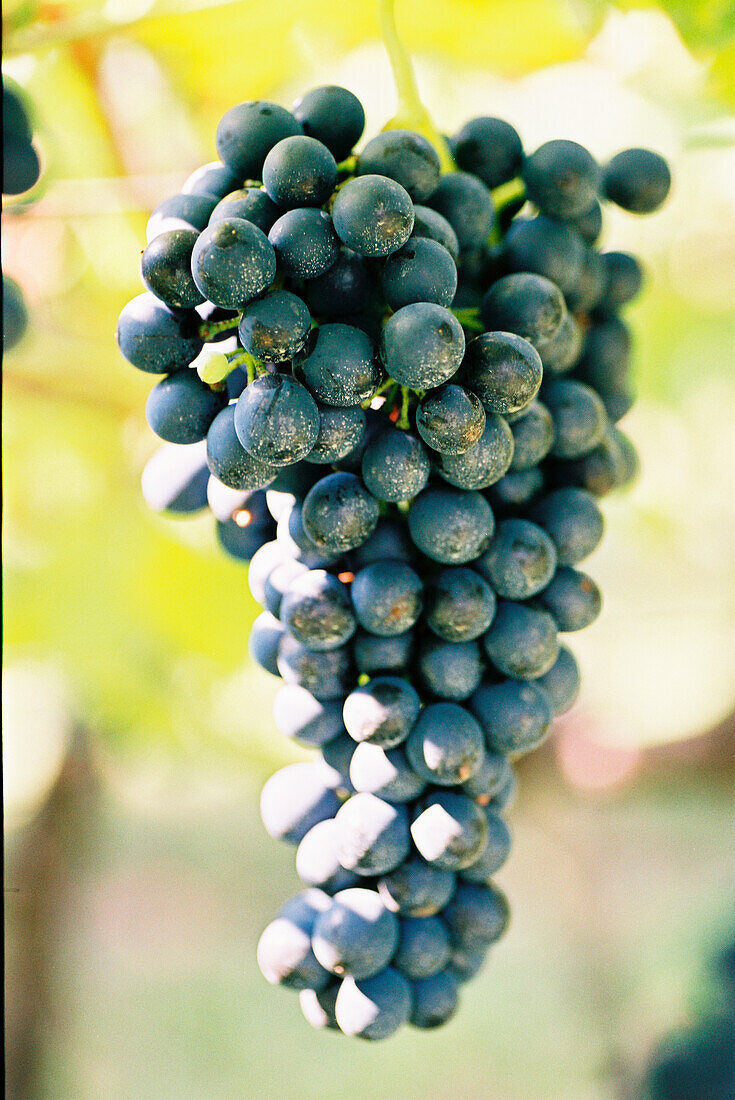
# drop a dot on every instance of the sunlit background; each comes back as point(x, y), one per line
point(136, 732)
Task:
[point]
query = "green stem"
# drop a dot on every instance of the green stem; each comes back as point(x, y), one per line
point(508, 192)
point(206, 331)
point(403, 421)
point(411, 114)
point(469, 318)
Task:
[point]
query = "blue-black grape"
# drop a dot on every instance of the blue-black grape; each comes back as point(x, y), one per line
point(375, 655)
point(421, 271)
point(572, 598)
point(562, 178)
point(274, 327)
point(233, 262)
point(450, 525)
point(496, 851)
point(423, 947)
point(372, 836)
point(214, 178)
point(317, 861)
point(305, 243)
point(15, 313)
point(299, 171)
point(449, 670)
point(449, 830)
point(154, 338)
point(316, 609)
point(228, 460)
point(434, 1000)
point(276, 419)
point(416, 889)
point(356, 934)
point(485, 462)
point(382, 712)
point(247, 133)
point(490, 779)
point(515, 715)
point(294, 799)
point(521, 641)
point(180, 212)
point(375, 1008)
point(445, 746)
point(466, 203)
point(403, 156)
point(333, 115)
point(623, 278)
point(533, 436)
point(284, 950)
point(395, 465)
point(547, 247)
point(520, 560)
point(387, 597)
point(175, 480)
point(181, 408)
point(561, 683)
point(345, 289)
point(373, 215)
point(489, 148)
point(384, 773)
point(430, 223)
point(327, 675)
point(476, 915)
point(265, 637)
point(339, 513)
point(340, 431)
point(299, 716)
point(422, 345)
point(638, 180)
point(339, 365)
point(459, 604)
point(528, 305)
point(573, 520)
point(450, 419)
point(250, 203)
point(389, 540)
point(517, 489)
point(579, 417)
point(166, 269)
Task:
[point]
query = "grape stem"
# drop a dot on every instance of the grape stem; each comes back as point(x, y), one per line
point(206, 332)
point(411, 114)
point(403, 421)
point(469, 318)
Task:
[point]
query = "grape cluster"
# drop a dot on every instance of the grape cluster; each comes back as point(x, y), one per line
point(21, 171)
point(409, 439)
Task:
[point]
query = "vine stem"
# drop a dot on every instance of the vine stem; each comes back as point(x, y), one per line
point(206, 332)
point(403, 421)
point(412, 114)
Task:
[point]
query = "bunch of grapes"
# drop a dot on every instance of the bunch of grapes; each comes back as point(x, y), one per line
point(409, 437)
point(21, 171)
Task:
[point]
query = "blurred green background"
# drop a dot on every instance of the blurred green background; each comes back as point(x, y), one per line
point(137, 734)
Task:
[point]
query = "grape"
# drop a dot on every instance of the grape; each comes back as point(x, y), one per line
point(241, 541)
point(249, 203)
point(232, 262)
point(175, 479)
point(423, 948)
point(387, 597)
point(416, 889)
point(449, 670)
point(301, 717)
point(339, 365)
point(389, 540)
point(485, 784)
point(305, 243)
point(347, 287)
point(21, 166)
point(403, 156)
point(561, 178)
point(520, 560)
point(317, 863)
point(299, 171)
point(421, 271)
point(505, 795)
point(637, 180)
point(180, 212)
point(435, 1000)
point(466, 203)
point(589, 223)
point(623, 278)
point(605, 362)
point(373, 215)
point(572, 598)
point(477, 915)
point(574, 521)
point(395, 465)
point(284, 949)
point(166, 268)
point(561, 352)
point(246, 134)
point(495, 854)
point(449, 830)
point(356, 935)
point(528, 305)
point(214, 178)
point(533, 436)
point(276, 420)
point(459, 604)
point(274, 327)
point(15, 313)
point(445, 746)
point(265, 637)
point(385, 773)
point(450, 419)
point(561, 683)
point(318, 1006)
point(228, 460)
point(316, 610)
point(484, 462)
point(591, 285)
point(422, 345)
point(156, 340)
point(334, 116)
point(293, 536)
point(489, 148)
point(16, 123)
point(516, 489)
point(429, 223)
point(521, 641)
point(515, 715)
point(449, 525)
point(181, 408)
point(335, 760)
point(294, 799)
point(372, 834)
point(546, 247)
point(326, 675)
point(382, 655)
point(375, 1008)
point(382, 712)
point(578, 414)
point(340, 431)
point(339, 513)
